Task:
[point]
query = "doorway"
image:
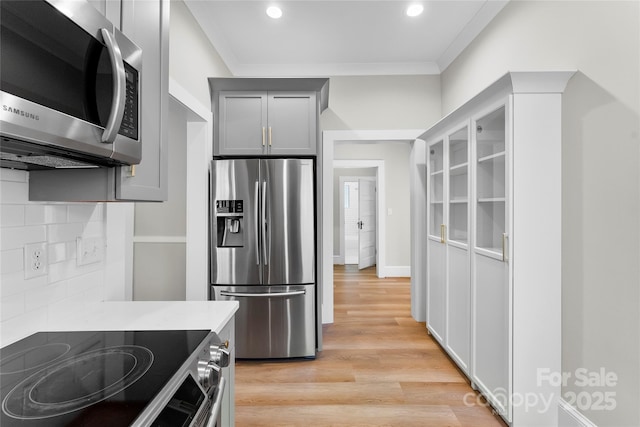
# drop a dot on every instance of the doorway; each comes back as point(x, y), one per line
point(329, 228)
point(358, 220)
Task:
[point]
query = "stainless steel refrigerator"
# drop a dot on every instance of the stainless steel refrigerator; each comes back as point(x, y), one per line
point(263, 253)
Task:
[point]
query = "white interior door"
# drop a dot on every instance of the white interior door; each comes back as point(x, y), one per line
point(366, 223)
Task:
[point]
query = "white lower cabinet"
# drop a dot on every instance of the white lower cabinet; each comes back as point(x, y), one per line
point(228, 409)
point(491, 366)
point(494, 242)
point(436, 291)
point(448, 292)
point(457, 307)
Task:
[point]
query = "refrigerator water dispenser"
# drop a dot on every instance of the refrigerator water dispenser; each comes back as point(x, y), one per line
point(230, 223)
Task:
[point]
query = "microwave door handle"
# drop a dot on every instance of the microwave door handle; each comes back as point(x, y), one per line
point(119, 86)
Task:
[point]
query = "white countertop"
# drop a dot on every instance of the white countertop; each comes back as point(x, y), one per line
point(136, 315)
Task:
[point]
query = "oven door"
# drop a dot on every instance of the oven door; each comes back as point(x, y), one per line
point(69, 79)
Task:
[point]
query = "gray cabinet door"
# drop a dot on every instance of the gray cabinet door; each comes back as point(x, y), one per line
point(292, 123)
point(266, 123)
point(146, 23)
point(242, 123)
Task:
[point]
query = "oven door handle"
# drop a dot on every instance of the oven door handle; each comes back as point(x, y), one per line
point(217, 404)
point(119, 87)
point(262, 295)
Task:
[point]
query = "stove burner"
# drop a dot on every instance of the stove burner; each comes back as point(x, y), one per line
point(33, 358)
point(77, 382)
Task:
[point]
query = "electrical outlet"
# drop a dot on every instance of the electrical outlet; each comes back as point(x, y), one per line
point(35, 260)
point(89, 250)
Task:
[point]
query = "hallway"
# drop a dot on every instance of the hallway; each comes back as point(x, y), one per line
point(378, 367)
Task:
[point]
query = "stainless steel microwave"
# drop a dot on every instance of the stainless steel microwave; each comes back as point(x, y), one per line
point(69, 87)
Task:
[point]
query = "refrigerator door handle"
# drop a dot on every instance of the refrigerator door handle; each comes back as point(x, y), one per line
point(262, 295)
point(264, 223)
point(256, 192)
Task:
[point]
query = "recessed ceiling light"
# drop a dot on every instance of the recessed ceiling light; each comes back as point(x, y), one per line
point(274, 12)
point(415, 10)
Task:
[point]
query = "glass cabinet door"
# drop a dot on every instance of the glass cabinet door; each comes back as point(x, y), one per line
point(436, 193)
point(458, 170)
point(490, 182)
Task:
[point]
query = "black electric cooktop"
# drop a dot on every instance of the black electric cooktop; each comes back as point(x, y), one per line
point(88, 378)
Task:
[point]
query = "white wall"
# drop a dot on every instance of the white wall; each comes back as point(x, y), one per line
point(418, 176)
point(160, 262)
point(26, 304)
point(382, 102)
point(192, 58)
point(159, 271)
point(396, 158)
point(601, 174)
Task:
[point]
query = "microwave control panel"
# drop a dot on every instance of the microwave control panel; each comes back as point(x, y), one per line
point(129, 126)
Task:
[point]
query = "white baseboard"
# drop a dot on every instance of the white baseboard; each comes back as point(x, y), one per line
point(397, 271)
point(338, 260)
point(568, 416)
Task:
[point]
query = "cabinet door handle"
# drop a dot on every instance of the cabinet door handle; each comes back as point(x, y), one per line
point(505, 248)
point(442, 232)
point(263, 136)
point(269, 136)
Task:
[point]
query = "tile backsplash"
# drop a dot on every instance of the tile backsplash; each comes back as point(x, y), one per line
point(61, 283)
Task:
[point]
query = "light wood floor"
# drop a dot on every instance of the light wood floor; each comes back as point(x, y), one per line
point(378, 367)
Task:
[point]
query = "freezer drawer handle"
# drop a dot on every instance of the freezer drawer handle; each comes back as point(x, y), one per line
point(262, 295)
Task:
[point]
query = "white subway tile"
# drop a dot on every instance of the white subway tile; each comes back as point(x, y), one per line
point(94, 294)
point(86, 212)
point(14, 283)
point(14, 192)
point(45, 296)
point(65, 308)
point(58, 252)
point(45, 214)
point(93, 229)
point(22, 326)
point(12, 261)
point(17, 237)
point(12, 306)
point(82, 283)
point(62, 270)
point(64, 232)
point(12, 215)
point(13, 175)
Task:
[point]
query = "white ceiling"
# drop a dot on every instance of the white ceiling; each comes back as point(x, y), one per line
point(337, 37)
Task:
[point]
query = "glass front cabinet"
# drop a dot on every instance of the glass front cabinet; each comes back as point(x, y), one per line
point(493, 247)
point(448, 243)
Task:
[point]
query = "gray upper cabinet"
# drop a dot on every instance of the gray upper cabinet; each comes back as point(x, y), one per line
point(267, 123)
point(243, 123)
point(146, 23)
point(292, 123)
point(267, 116)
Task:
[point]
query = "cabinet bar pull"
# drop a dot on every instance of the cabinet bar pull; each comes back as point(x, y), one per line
point(442, 232)
point(504, 247)
point(269, 136)
point(263, 136)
